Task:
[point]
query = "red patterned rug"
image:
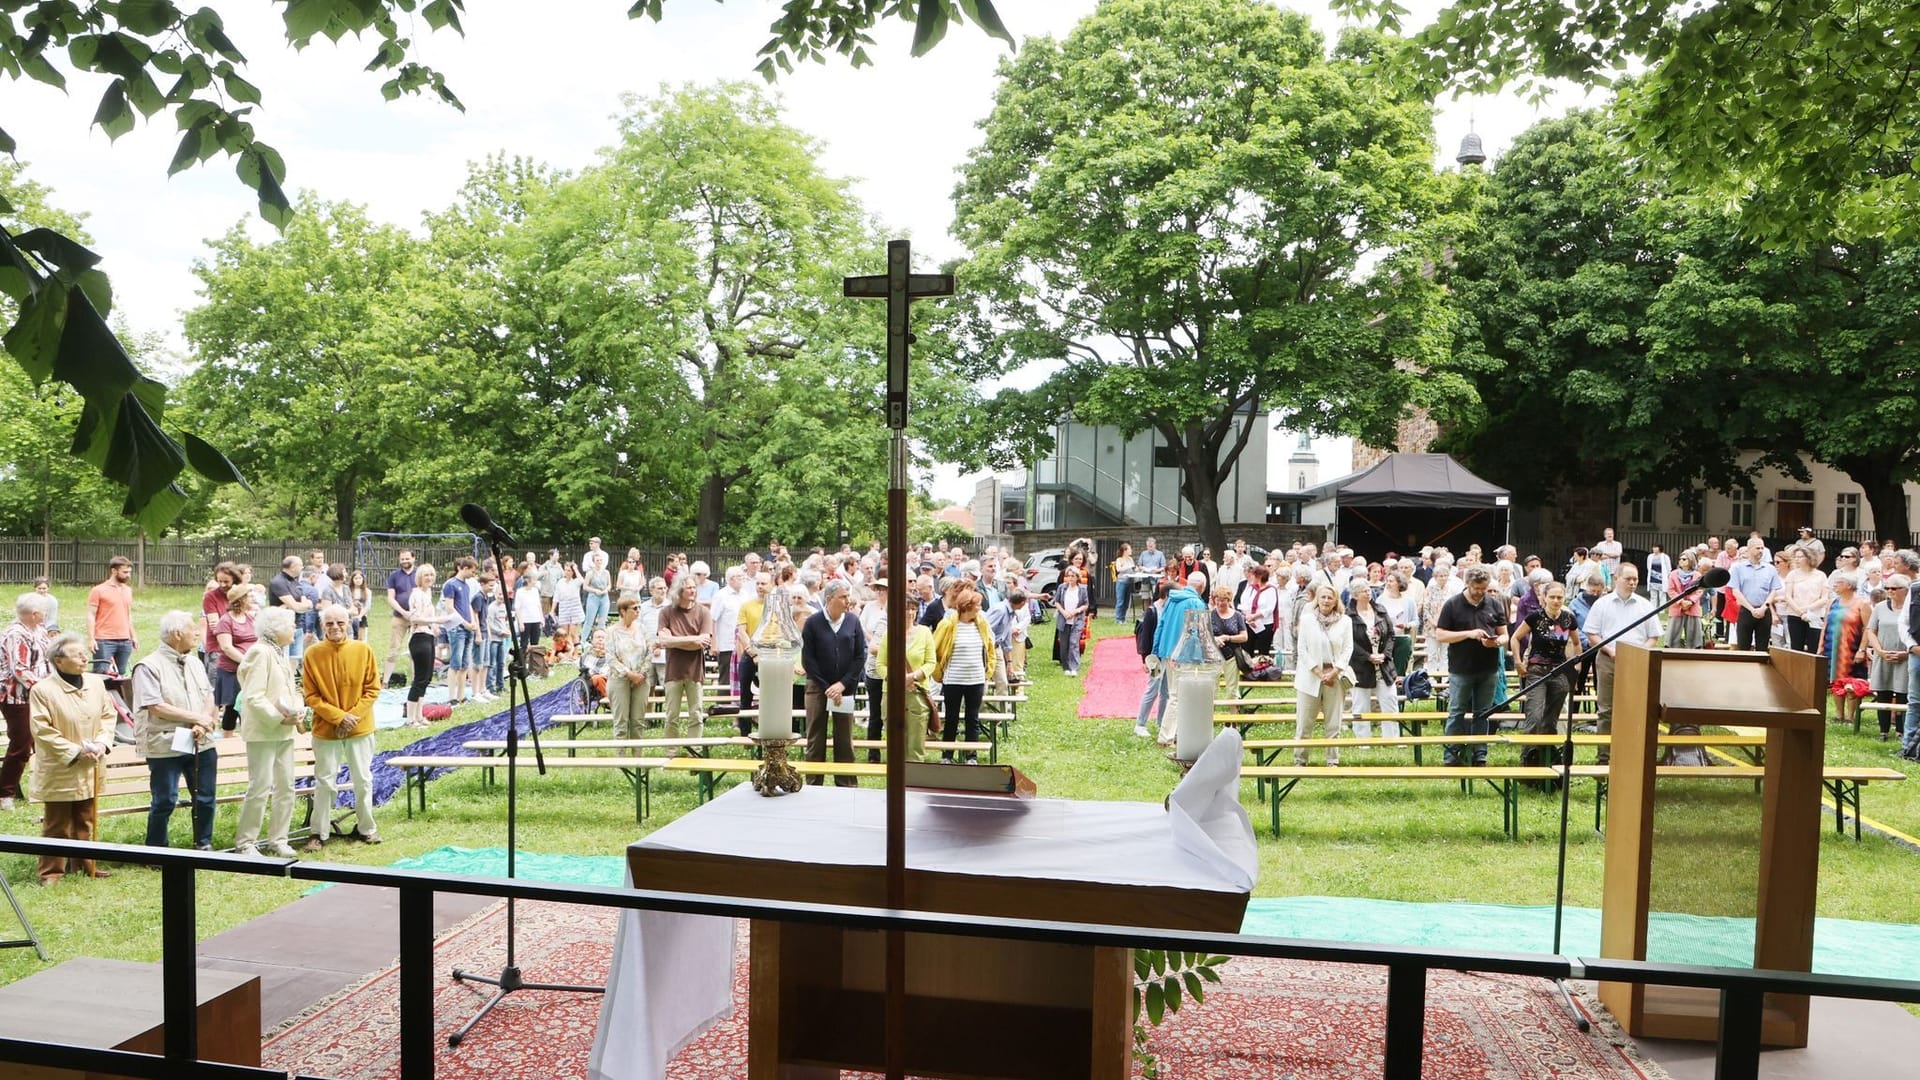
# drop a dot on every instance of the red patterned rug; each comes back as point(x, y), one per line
point(1271, 1019)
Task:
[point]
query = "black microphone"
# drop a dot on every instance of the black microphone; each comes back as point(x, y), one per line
point(1715, 578)
point(481, 523)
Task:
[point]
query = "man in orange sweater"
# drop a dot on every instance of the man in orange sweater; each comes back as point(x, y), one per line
point(341, 680)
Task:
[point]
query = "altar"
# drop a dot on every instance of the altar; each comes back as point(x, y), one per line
point(977, 1007)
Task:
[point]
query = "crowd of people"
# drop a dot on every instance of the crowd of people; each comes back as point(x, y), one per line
point(270, 660)
point(267, 661)
point(1353, 628)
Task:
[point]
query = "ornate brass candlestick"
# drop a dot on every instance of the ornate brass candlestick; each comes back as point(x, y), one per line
point(776, 775)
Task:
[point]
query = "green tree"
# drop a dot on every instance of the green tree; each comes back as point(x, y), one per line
point(1802, 112)
point(59, 331)
point(1631, 335)
point(707, 251)
point(303, 347)
point(1202, 216)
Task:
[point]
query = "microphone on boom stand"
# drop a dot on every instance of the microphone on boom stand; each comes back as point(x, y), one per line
point(519, 699)
point(1715, 578)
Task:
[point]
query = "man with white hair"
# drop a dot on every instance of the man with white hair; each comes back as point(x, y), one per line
point(1906, 562)
point(171, 694)
point(341, 680)
point(833, 650)
point(705, 588)
point(726, 621)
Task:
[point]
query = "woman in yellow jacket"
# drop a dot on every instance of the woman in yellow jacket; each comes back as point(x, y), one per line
point(963, 664)
point(72, 734)
point(919, 673)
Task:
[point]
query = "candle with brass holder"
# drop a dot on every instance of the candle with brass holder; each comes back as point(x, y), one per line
point(777, 641)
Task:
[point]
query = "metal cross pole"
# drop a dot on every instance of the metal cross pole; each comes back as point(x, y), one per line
point(900, 287)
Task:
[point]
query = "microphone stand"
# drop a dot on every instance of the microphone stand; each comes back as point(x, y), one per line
point(518, 697)
point(1584, 656)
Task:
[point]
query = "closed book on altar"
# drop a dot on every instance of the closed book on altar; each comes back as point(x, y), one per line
point(972, 779)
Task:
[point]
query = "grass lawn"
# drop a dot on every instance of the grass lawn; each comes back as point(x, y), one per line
point(1416, 841)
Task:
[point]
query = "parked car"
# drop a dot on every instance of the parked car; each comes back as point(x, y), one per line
point(1042, 569)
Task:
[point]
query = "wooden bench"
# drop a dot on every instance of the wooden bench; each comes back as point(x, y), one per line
point(1843, 782)
point(417, 770)
point(1876, 706)
point(1503, 779)
point(1267, 751)
point(709, 770)
point(994, 724)
point(129, 778)
point(1411, 721)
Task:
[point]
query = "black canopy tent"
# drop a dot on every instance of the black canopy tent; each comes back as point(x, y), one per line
point(1410, 501)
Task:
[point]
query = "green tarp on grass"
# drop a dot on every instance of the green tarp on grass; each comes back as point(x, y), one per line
point(1840, 946)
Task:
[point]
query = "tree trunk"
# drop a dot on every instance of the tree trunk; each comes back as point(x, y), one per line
point(346, 490)
point(713, 510)
point(1200, 477)
point(1886, 494)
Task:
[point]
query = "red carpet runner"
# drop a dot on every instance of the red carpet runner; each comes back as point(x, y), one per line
point(1114, 680)
point(1272, 1019)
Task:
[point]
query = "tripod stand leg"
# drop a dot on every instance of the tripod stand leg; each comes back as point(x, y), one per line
point(1573, 1008)
point(20, 913)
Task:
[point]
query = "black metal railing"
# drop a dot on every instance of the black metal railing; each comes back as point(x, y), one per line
point(1741, 990)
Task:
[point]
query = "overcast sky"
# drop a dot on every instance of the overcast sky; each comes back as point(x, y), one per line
point(543, 80)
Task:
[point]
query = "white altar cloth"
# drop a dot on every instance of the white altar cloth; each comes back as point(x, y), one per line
point(672, 975)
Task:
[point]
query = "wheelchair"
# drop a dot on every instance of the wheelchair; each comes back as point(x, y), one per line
point(585, 698)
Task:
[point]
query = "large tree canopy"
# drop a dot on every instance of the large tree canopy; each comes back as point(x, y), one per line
point(1636, 336)
point(1201, 216)
point(654, 347)
point(1803, 113)
point(163, 59)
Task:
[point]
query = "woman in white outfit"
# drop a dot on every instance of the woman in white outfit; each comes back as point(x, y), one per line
point(271, 710)
point(1322, 645)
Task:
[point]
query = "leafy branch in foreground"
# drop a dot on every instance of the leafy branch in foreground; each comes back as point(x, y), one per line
point(1162, 982)
point(61, 333)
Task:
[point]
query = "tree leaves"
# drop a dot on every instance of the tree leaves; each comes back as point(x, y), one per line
point(1177, 208)
point(1801, 114)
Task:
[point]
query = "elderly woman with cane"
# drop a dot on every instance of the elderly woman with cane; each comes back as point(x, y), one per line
point(72, 734)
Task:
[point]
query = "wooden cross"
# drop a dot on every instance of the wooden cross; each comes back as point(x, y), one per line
point(900, 287)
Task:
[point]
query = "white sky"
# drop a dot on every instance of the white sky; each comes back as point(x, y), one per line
point(541, 80)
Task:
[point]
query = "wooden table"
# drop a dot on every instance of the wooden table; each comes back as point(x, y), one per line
point(116, 1005)
point(976, 1007)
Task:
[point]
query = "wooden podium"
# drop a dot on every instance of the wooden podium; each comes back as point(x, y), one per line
point(976, 1007)
point(1783, 692)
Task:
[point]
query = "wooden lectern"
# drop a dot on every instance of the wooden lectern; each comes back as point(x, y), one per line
point(1783, 692)
point(976, 1007)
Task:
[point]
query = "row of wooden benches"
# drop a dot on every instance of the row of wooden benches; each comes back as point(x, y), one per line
point(695, 756)
point(638, 759)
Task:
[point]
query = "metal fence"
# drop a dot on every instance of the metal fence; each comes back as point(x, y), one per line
point(185, 561)
point(1742, 991)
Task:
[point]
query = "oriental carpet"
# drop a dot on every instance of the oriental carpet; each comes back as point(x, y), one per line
point(1271, 1019)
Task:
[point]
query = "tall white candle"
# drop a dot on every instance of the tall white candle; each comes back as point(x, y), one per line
point(776, 693)
point(1193, 693)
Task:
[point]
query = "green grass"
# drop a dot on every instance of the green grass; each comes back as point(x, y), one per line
point(1415, 841)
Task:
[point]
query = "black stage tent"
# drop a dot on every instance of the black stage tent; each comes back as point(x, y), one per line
point(1410, 501)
